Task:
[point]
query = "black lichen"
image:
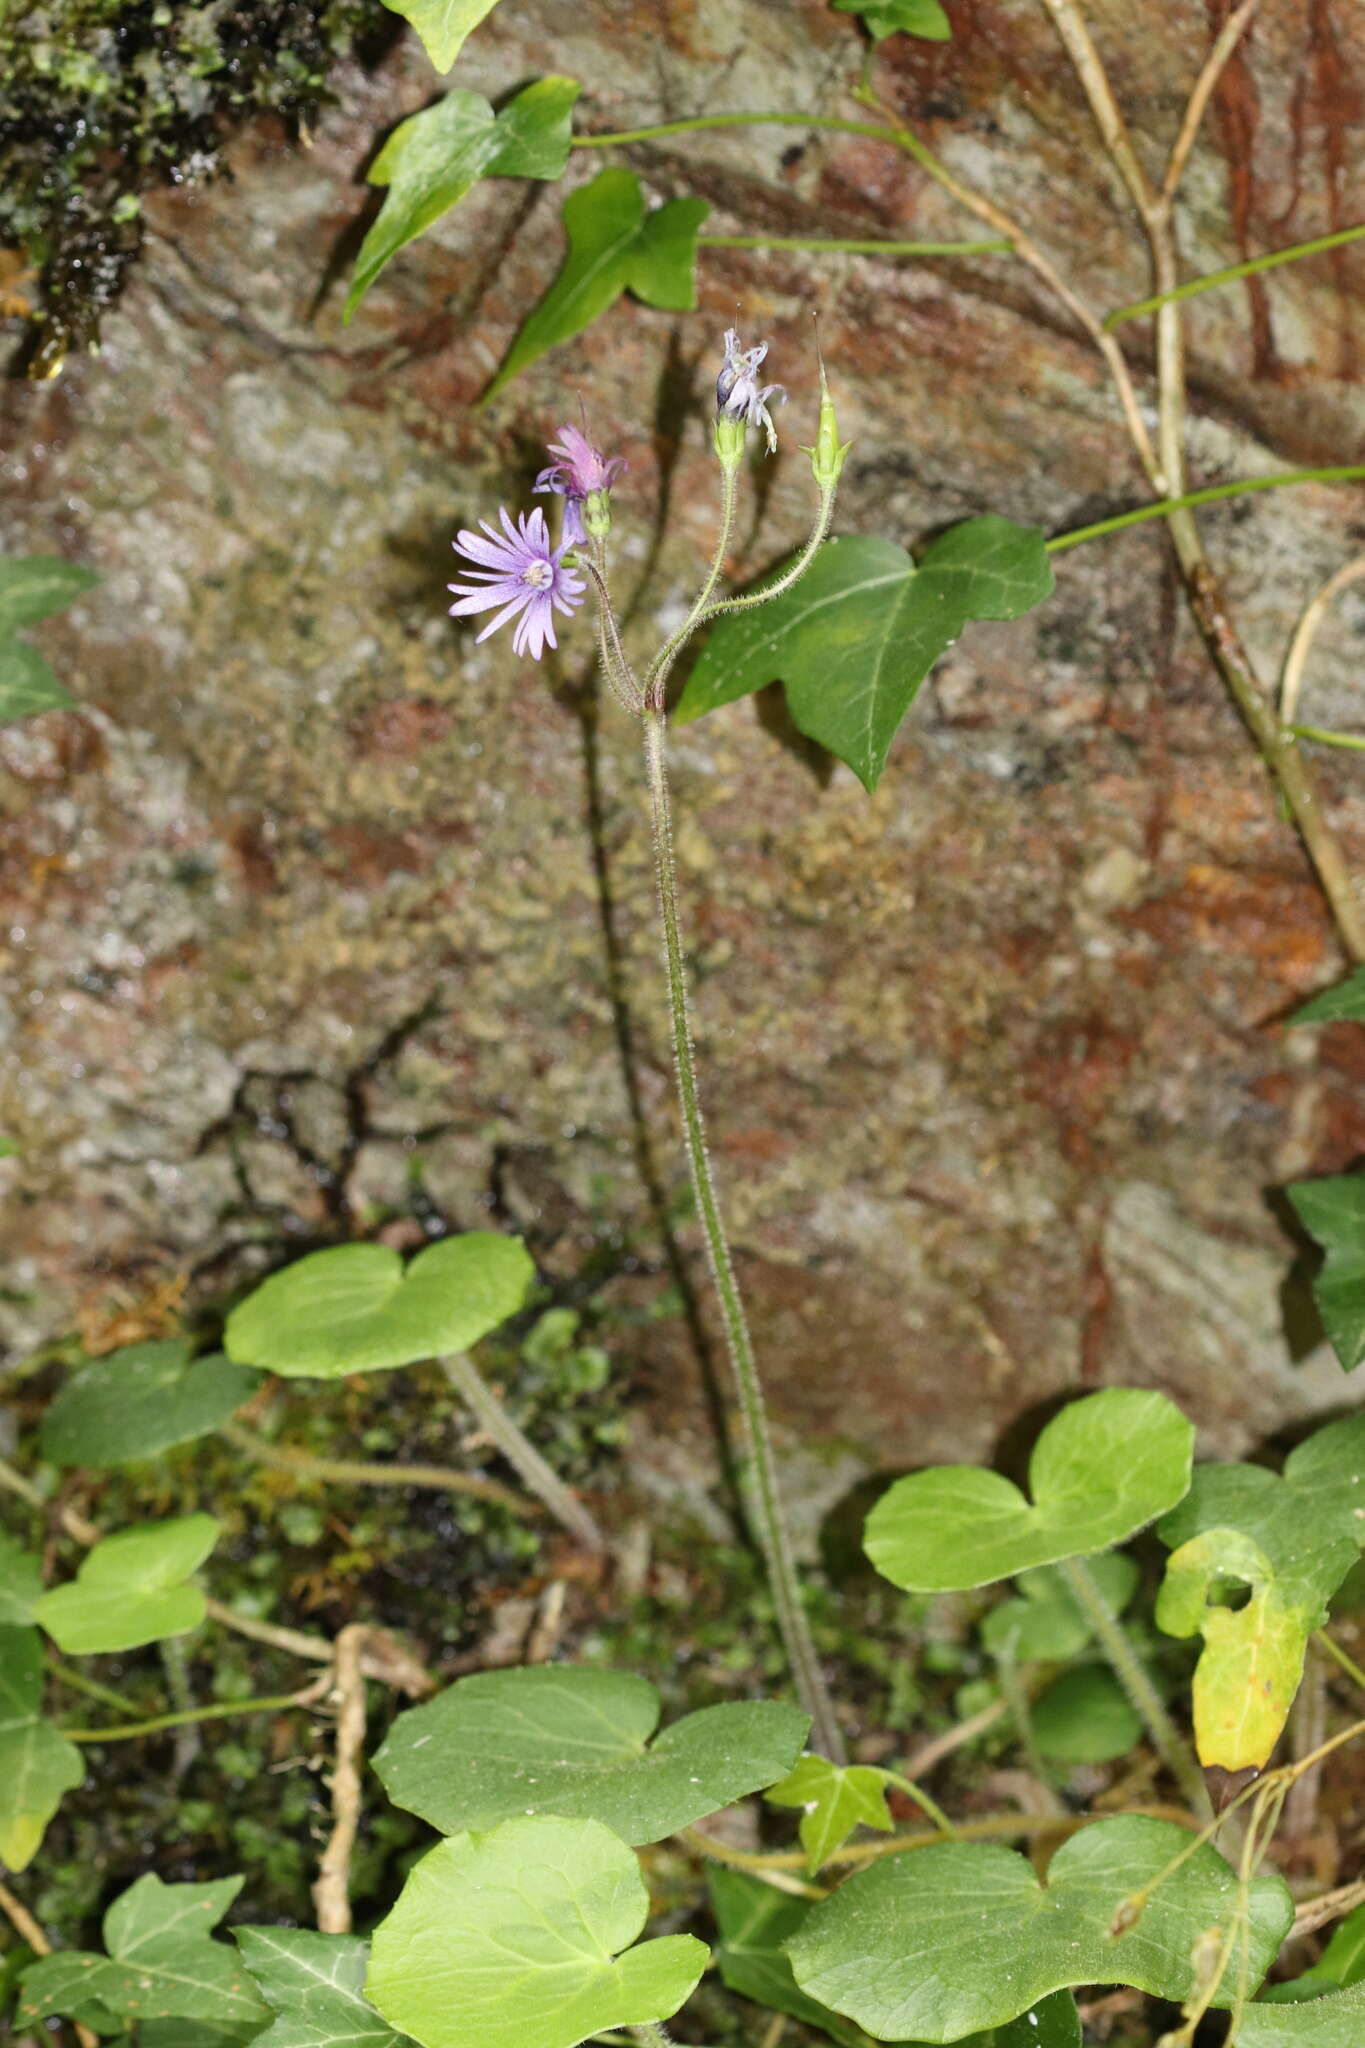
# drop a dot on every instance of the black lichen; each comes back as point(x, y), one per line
point(100, 100)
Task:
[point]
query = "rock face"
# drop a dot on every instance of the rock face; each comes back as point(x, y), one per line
point(307, 909)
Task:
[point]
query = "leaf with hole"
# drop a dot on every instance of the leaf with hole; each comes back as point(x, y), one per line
point(434, 158)
point(356, 1308)
point(37, 1763)
point(131, 1589)
point(1100, 1470)
point(1280, 1545)
point(443, 24)
point(576, 1742)
point(963, 1935)
point(141, 1401)
point(522, 1938)
point(616, 244)
point(856, 637)
point(756, 1922)
point(314, 1984)
point(162, 1962)
point(882, 18)
point(1332, 1211)
point(1043, 1623)
point(1343, 1004)
point(835, 1799)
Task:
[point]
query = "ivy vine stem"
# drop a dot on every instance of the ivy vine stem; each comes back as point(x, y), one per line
point(772, 1527)
point(832, 245)
point(219, 1711)
point(1132, 1675)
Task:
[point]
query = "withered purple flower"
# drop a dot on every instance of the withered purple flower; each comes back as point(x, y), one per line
point(738, 396)
point(523, 575)
point(582, 475)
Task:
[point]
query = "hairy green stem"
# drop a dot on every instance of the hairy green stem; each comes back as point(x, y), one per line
point(772, 1528)
point(656, 675)
point(520, 1453)
point(357, 1472)
point(927, 1806)
point(1211, 279)
point(1132, 1675)
point(751, 599)
point(220, 1711)
point(834, 245)
point(1160, 508)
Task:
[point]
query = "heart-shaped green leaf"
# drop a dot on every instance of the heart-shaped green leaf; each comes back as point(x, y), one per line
point(963, 1935)
point(552, 1738)
point(443, 24)
point(855, 638)
point(1343, 1004)
point(1084, 1717)
point(141, 1401)
point(1287, 1543)
point(355, 1309)
point(882, 18)
point(756, 1922)
point(1337, 2021)
point(514, 1939)
point(1046, 1625)
point(130, 1589)
point(1332, 1211)
point(314, 1984)
point(37, 1764)
point(21, 1583)
point(162, 1963)
point(1101, 1469)
point(615, 245)
point(835, 1799)
point(432, 159)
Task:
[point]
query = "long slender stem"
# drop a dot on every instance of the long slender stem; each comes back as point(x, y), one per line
point(520, 1453)
point(1214, 65)
point(828, 245)
point(1306, 632)
point(656, 675)
point(1339, 1656)
point(354, 1472)
point(1132, 1675)
point(772, 1528)
point(219, 1711)
point(1353, 740)
point(1212, 279)
point(66, 1674)
point(1212, 494)
point(793, 573)
point(927, 1806)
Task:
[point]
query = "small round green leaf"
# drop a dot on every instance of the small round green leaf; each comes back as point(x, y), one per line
point(514, 1939)
point(131, 1589)
point(1100, 1470)
point(355, 1309)
point(141, 1401)
point(1085, 1717)
point(963, 1936)
point(552, 1738)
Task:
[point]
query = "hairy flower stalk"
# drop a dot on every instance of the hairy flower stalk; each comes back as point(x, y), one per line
point(527, 573)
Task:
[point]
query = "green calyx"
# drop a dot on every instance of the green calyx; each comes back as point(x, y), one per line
point(597, 514)
point(729, 442)
point(827, 456)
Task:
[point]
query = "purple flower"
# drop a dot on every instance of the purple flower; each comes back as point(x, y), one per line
point(580, 470)
point(524, 575)
point(738, 396)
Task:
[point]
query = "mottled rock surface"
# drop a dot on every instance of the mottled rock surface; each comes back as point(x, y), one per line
point(304, 910)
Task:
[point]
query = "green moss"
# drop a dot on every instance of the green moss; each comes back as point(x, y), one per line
point(101, 100)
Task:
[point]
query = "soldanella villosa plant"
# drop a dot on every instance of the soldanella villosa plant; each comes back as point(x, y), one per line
point(549, 1785)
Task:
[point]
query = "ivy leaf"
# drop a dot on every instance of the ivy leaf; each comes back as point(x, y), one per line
point(37, 1764)
point(141, 1401)
point(615, 245)
point(355, 1309)
point(1084, 1717)
point(1343, 1004)
point(1334, 2022)
point(855, 638)
point(1332, 1211)
point(1101, 1469)
point(557, 1739)
point(1289, 1541)
point(163, 1962)
point(21, 1583)
point(514, 1939)
point(1046, 1625)
point(963, 1935)
point(837, 1799)
point(314, 1985)
point(882, 18)
point(130, 1589)
point(33, 587)
point(443, 24)
point(432, 159)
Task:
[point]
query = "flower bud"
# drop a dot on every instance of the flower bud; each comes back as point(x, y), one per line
point(827, 456)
